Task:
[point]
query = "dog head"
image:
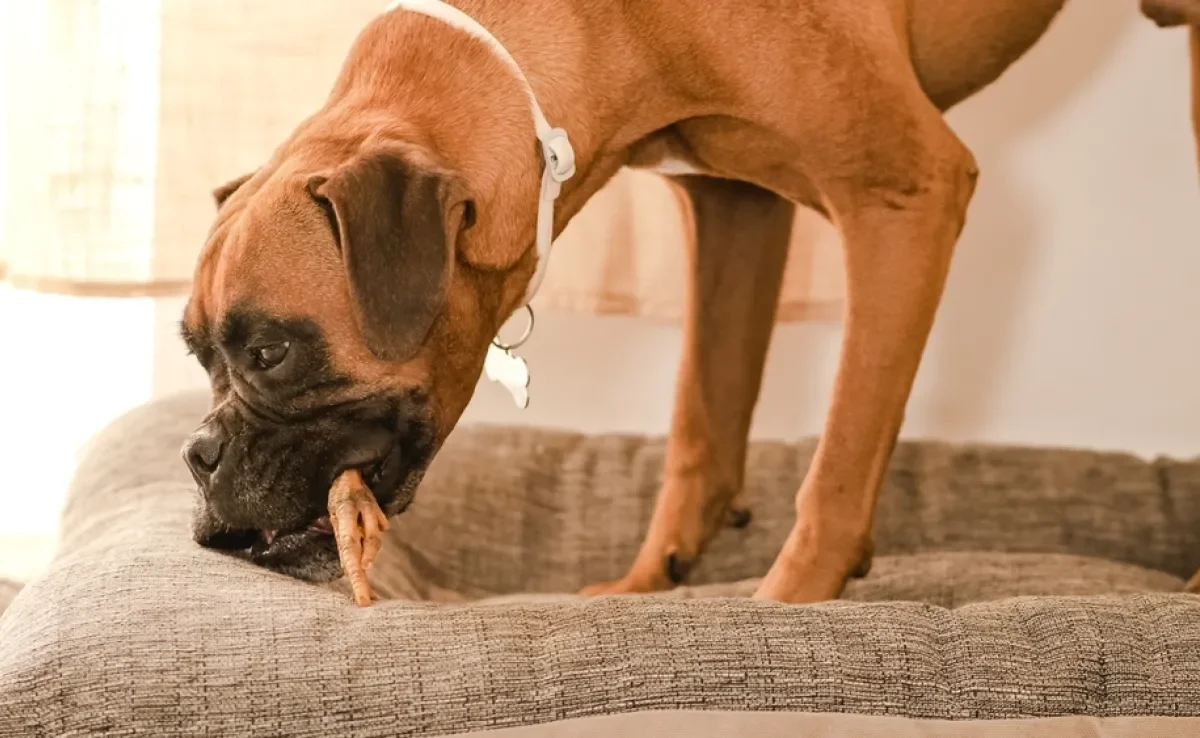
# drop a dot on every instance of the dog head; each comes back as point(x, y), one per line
point(342, 315)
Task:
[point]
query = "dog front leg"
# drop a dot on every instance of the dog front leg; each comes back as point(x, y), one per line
point(737, 258)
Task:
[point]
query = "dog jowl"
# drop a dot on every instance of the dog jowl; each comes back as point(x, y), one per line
point(284, 424)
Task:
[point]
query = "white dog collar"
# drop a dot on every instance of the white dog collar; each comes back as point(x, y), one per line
point(556, 148)
point(501, 365)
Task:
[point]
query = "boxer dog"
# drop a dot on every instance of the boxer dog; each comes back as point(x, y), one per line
point(344, 302)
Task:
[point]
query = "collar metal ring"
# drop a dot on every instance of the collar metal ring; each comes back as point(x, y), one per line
point(520, 341)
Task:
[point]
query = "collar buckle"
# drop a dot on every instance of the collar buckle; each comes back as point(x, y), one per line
point(559, 154)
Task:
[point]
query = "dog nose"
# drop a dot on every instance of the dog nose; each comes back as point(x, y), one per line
point(202, 451)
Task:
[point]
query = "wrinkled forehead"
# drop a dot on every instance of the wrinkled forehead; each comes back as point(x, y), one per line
point(275, 254)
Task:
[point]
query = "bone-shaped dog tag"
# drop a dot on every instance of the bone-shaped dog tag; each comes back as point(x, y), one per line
point(509, 370)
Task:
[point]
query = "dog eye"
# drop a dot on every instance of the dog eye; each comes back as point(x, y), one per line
point(272, 355)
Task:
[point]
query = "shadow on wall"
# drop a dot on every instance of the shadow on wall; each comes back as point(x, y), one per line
point(977, 333)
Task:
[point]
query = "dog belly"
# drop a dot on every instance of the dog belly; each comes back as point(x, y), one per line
point(673, 166)
point(727, 148)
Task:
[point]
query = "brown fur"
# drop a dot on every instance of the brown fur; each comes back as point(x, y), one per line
point(1168, 13)
point(832, 105)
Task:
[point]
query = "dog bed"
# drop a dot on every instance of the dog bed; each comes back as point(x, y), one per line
point(1011, 584)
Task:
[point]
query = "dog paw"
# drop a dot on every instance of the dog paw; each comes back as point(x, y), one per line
point(674, 570)
point(796, 589)
point(622, 586)
point(805, 571)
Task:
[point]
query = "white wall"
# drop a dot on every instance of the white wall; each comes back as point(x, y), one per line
point(66, 368)
point(1072, 315)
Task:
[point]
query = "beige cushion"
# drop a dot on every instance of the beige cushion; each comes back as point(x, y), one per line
point(1011, 583)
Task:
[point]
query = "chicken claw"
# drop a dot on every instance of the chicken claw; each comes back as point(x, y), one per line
point(358, 526)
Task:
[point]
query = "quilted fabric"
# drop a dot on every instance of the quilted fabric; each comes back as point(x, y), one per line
point(1011, 583)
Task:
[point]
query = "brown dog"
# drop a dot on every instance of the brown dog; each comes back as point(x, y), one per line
point(346, 297)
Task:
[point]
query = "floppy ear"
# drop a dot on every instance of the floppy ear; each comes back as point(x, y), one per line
point(222, 193)
point(396, 226)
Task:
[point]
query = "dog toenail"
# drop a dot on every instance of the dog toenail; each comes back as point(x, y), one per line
point(677, 568)
point(740, 518)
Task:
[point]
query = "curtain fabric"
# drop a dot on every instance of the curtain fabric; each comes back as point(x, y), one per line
point(119, 117)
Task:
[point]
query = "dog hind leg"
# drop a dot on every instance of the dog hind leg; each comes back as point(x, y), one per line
point(896, 182)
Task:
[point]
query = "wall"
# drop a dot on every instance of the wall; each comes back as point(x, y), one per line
point(1071, 315)
point(67, 367)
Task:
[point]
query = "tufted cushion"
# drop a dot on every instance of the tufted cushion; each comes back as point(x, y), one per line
point(1010, 583)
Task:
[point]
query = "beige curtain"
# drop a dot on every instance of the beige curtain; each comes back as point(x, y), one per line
point(120, 116)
